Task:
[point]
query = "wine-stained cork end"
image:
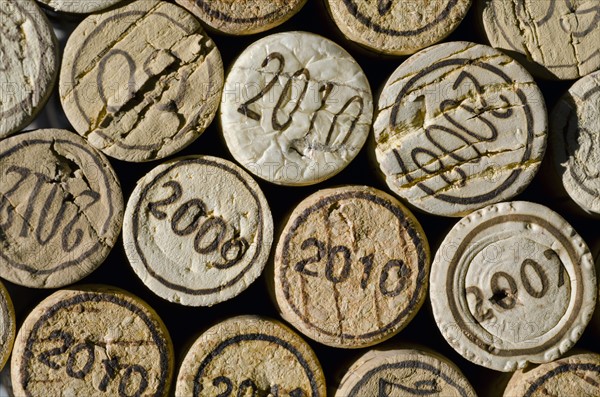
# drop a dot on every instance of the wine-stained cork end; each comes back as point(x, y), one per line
point(7, 326)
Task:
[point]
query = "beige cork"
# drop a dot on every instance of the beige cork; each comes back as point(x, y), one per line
point(404, 372)
point(575, 375)
point(512, 284)
point(243, 17)
point(28, 63)
point(141, 82)
point(197, 230)
point(61, 208)
point(397, 27)
point(351, 267)
point(555, 39)
point(7, 326)
point(459, 126)
point(92, 341)
point(80, 6)
point(250, 355)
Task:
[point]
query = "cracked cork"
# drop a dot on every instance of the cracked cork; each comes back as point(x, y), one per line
point(351, 267)
point(238, 18)
point(80, 6)
point(296, 109)
point(512, 285)
point(60, 214)
point(197, 230)
point(459, 126)
point(7, 326)
point(28, 64)
point(404, 372)
point(92, 341)
point(556, 39)
point(250, 355)
point(141, 82)
point(397, 27)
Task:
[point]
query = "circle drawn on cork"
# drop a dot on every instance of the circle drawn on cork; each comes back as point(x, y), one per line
point(7, 326)
point(575, 133)
point(404, 372)
point(94, 341)
point(450, 146)
point(296, 109)
point(397, 27)
point(28, 64)
point(167, 88)
point(512, 266)
point(79, 6)
point(345, 248)
point(60, 215)
point(261, 348)
point(557, 38)
point(198, 230)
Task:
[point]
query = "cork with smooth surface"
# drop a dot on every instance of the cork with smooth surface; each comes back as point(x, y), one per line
point(141, 82)
point(459, 126)
point(250, 355)
point(80, 6)
point(61, 208)
point(197, 230)
point(351, 267)
point(7, 326)
point(512, 284)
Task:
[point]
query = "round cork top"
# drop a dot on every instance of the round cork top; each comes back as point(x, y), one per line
point(28, 63)
point(404, 372)
point(296, 109)
point(512, 284)
point(351, 267)
point(197, 230)
point(459, 126)
point(238, 18)
point(61, 208)
point(141, 82)
point(7, 326)
point(249, 354)
point(575, 375)
point(557, 39)
point(397, 27)
point(93, 340)
point(575, 133)
point(79, 6)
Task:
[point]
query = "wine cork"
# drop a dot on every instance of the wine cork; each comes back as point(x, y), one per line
point(61, 208)
point(79, 6)
point(512, 284)
point(249, 354)
point(296, 109)
point(397, 27)
point(28, 64)
point(351, 267)
point(575, 131)
point(7, 325)
point(197, 230)
point(404, 372)
point(575, 375)
point(93, 340)
point(459, 126)
point(141, 82)
point(557, 39)
point(243, 17)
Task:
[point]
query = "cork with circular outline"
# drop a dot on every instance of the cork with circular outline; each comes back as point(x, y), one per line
point(7, 326)
point(296, 109)
point(404, 372)
point(351, 267)
point(574, 134)
point(197, 230)
point(60, 214)
point(575, 375)
point(79, 6)
point(512, 284)
point(28, 64)
point(92, 340)
point(141, 82)
point(249, 354)
point(556, 39)
point(397, 27)
point(459, 126)
point(238, 18)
